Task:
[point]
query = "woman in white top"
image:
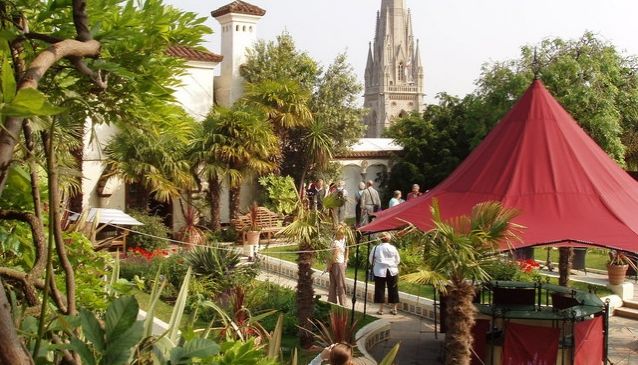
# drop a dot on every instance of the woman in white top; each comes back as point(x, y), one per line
point(385, 260)
point(337, 268)
point(396, 199)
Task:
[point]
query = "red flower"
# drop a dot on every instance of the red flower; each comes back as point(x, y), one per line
point(528, 265)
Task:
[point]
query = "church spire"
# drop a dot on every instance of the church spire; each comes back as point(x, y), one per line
point(393, 75)
point(369, 66)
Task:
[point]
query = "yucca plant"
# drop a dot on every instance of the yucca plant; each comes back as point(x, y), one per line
point(190, 232)
point(339, 328)
point(220, 268)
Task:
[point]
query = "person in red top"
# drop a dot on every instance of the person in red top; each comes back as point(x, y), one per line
point(415, 192)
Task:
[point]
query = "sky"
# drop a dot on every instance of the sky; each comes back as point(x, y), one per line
point(456, 36)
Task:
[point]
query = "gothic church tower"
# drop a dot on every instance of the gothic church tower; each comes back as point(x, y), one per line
point(394, 74)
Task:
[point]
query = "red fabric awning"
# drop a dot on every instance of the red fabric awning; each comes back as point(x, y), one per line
point(538, 160)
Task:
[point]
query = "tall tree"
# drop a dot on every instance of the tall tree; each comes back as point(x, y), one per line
point(594, 81)
point(154, 154)
point(332, 117)
point(58, 36)
point(234, 143)
point(434, 143)
point(457, 251)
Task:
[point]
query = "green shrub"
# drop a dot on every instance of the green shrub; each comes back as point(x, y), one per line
point(503, 269)
point(262, 296)
point(135, 265)
point(173, 268)
point(219, 269)
point(153, 225)
point(411, 259)
point(90, 269)
point(228, 234)
point(281, 193)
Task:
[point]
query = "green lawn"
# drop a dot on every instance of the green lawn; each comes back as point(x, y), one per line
point(596, 258)
point(163, 311)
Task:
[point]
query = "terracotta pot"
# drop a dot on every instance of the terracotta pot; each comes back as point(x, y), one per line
point(252, 237)
point(252, 240)
point(617, 273)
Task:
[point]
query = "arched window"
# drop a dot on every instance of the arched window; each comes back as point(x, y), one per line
point(243, 28)
point(250, 29)
point(237, 28)
point(401, 72)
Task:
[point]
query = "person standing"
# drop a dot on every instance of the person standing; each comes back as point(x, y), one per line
point(337, 267)
point(396, 199)
point(370, 202)
point(339, 213)
point(415, 193)
point(385, 260)
point(357, 199)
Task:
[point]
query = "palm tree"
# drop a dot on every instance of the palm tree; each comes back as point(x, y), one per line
point(285, 102)
point(203, 153)
point(457, 251)
point(312, 230)
point(234, 143)
point(154, 155)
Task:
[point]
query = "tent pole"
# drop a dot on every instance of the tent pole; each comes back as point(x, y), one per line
point(365, 295)
point(606, 332)
point(436, 331)
point(356, 271)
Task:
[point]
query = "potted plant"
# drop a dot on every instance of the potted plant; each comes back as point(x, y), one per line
point(252, 230)
point(617, 267)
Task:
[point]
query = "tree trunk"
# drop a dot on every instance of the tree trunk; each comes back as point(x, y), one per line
point(233, 200)
point(460, 315)
point(75, 200)
point(565, 257)
point(214, 191)
point(305, 296)
point(11, 350)
point(55, 220)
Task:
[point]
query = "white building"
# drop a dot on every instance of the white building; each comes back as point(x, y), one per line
point(200, 90)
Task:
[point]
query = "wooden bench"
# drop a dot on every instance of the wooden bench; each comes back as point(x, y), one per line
point(269, 222)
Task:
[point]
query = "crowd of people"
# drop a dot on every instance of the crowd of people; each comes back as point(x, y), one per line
point(384, 258)
point(367, 199)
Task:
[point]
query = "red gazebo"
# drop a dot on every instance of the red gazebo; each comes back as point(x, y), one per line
point(538, 160)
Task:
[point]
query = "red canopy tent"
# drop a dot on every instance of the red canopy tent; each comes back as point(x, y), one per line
point(539, 161)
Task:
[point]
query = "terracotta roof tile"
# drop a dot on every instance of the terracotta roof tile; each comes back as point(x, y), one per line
point(192, 54)
point(238, 7)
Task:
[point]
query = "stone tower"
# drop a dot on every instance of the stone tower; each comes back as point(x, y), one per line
point(238, 22)
point(393, 74)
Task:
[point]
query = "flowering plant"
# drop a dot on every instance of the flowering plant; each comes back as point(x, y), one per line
point(529, 265)
point(148, 255)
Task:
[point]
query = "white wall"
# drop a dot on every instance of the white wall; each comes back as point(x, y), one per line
point(351, 175)
point(196, 95)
